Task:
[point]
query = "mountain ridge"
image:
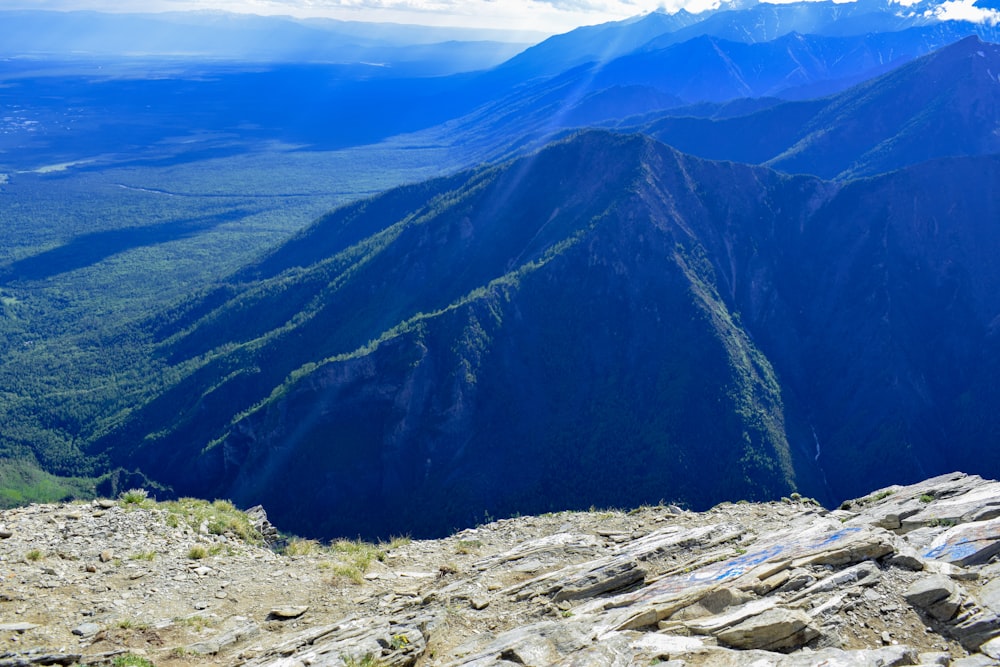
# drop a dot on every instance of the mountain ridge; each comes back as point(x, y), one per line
point(896, 119)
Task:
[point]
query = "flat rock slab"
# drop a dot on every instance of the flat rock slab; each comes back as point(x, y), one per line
point(824, 543)
point(967, 544)
point(17, 627)
point(771, 630)
point(86, 630)
point(289, 612)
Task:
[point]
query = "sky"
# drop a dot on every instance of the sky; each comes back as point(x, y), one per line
point(536, 16)
point(548, 16)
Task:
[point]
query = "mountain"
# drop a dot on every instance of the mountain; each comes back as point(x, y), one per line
point(633, 90)
point(765, 21)
point(944, 104)
point(424, 357)
point(504, 340)
point(599, 43)
point(415, 50)
point(713, 69)
point(746, 22)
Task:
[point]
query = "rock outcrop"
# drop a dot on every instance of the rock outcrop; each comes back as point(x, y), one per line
point(904, 576)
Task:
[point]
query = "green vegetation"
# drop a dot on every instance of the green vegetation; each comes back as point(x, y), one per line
point(354, 557)
point(133, 497)
point(131, 624)
point(220, 517)
point(302, 547)
point(95, 257)
point(466, 547)
point(926, 498)
point(131, 660)
point(34, 555)
point(23, 482)
point(196, 622)
point(197, 552)
point(367, 660)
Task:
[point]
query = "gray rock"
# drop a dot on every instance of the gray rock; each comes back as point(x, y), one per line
point(934, 658)
point(288, 612)
point(242, 630)
point(258, 517)
point(974, 660)
point(930, 590)
point(862, 574)
point(605, 578)
point(989, 595)
point(771, 630)
point(991, 648)
point(948, 602)
point(17, 627)
point(86, 630)
point(967, 544)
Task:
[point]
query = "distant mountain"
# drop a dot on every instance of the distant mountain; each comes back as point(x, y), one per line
point(944, 104)
point(712, 69)
point(765, 21)
point(605, 322)
point(218, 35)
point(747, 22)
point(595, 44)
point(667, 82)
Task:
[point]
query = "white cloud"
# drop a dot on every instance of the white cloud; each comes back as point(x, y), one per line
point(965, 10)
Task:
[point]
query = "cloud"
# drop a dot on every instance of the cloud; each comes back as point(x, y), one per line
point(965, 10)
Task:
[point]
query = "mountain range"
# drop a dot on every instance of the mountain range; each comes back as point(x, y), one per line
point(942, 105)
point(667, 273)
point(525, 337)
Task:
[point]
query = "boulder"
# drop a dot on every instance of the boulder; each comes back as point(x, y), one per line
point(937, 595)
point(772, 630)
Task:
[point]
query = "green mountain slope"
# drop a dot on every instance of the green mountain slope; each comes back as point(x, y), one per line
point(605, 322)
point(511, 339)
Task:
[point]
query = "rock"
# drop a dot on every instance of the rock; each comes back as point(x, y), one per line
point(605, 578)
point(934, 658)
point(989, 595)
point(105, 503)
point(771, 630)
point(975, 660)
point(86, 630)
point(717, 623)
point(863, 574)
point(967, 544)
point(242, 630)
point(17, 627)
point(106, 556)
point(951, 604)
point(284, 613)
point(258, 518)
point(936, 594)
point(737, 585)
point(991, 648)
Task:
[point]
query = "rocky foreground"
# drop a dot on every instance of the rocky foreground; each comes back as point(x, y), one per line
point(904, 576)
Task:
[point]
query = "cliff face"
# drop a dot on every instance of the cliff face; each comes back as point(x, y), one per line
point(904, 576)
point(606, 322)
